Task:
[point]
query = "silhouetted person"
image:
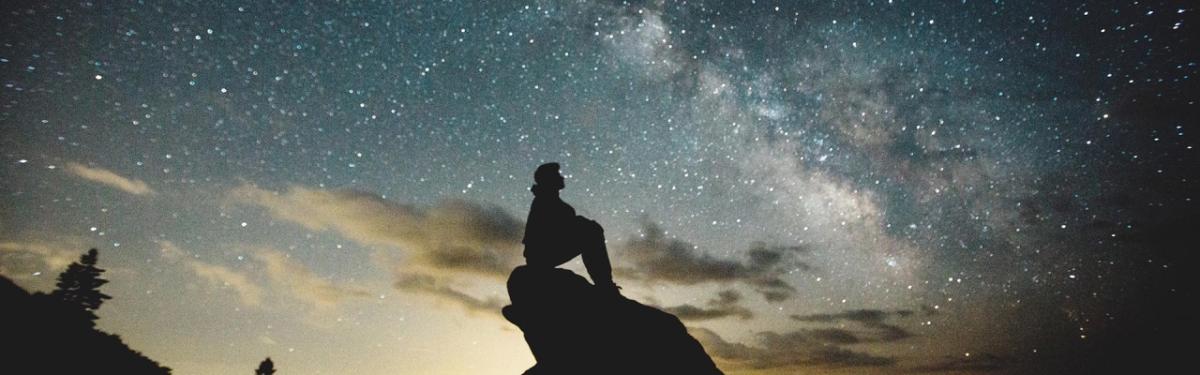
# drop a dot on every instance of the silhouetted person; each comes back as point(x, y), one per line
point(554, 234)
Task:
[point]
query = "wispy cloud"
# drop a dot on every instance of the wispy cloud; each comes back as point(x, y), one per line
point(783, 350)
point(979, 362)
point(874, 324)
point(453, 239)
point(820, 346)
point(53, 256)
point(442, 290)
point(284, 275)
point(453, 235)
point(656, 258)
point(109, 178)
point(725, 305)
point(302, 283)
point(249, 292)
point(36, 262)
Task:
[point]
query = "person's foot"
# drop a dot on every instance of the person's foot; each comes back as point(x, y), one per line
point(609, 290)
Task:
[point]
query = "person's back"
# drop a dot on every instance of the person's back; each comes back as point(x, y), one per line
point(547, 229)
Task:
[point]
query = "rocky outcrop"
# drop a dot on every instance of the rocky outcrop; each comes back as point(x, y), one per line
point(573, 327)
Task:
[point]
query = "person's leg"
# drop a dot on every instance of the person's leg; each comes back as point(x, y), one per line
point(595, 253)
point(555, 257)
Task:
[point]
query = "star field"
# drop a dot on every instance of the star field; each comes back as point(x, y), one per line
point(825, 187)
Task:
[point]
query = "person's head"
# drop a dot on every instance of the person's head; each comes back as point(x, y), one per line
point(547, 176)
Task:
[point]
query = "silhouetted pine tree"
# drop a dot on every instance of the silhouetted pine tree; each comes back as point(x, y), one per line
point(80, 284)
point(266, 367)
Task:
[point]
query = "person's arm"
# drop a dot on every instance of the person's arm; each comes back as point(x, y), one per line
point(564, 211)
point(542, 230)
point(534, 227)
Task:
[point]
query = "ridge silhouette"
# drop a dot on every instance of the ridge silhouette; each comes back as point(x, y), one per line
point(575, 327)
point(56, 333)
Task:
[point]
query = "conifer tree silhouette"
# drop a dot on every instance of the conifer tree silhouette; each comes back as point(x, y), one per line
point(79, 285)
point(266, 367)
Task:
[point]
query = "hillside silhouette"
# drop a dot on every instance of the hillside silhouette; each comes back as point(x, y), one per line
point(56, 333)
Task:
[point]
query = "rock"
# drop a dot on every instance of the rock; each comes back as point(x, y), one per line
point(574, 328)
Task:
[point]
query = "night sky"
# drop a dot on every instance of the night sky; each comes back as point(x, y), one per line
point(824, 187)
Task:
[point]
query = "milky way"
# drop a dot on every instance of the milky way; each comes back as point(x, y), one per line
point(833, 187)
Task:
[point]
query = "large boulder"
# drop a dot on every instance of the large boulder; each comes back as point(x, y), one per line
point(573, 327)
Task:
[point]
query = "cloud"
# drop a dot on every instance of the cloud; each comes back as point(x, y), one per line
point(656, 258)
point(452, 239)
point(876, 329)
point(282, 272)
point(967, 363)
point(302, 282)
point(860, 315)
point(781, 350)
point(825, 346)
point(452, 235)
point(440, 289)
point(50, 255)
point(36, 262)
point(110, 178)
point(249, 292)
point(812, 348)
point(726, 304)
point(725, 350)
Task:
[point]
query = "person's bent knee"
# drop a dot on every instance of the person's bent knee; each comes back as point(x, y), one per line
point(591, 226)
